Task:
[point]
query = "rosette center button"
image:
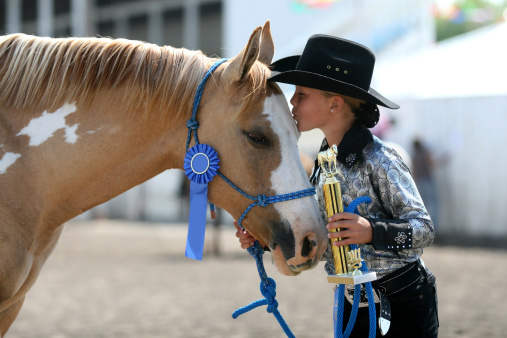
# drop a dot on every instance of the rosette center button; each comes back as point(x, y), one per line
point(199, 163)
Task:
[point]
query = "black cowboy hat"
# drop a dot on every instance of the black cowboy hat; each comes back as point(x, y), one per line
point(332, 64)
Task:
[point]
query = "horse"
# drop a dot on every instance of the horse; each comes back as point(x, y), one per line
point(84, 119)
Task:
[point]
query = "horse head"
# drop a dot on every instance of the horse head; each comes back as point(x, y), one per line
point(246, 119)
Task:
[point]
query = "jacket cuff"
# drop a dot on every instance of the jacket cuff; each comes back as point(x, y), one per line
point(391, 234)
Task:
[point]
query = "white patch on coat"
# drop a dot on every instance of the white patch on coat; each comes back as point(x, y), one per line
point(70, 134)
point(290, 176)
point(7, 160)
point(96, 131)
point(43, 127)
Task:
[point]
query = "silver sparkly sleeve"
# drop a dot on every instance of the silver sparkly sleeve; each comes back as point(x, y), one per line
point(410, 225)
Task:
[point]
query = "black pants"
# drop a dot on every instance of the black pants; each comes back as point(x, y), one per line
point(414, 304)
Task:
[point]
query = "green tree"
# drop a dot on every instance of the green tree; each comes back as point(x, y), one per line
point(466, 16)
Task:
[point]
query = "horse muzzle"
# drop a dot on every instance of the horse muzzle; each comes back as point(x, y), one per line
point(293, 254)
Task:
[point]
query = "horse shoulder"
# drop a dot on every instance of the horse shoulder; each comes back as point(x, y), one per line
point(23, 255)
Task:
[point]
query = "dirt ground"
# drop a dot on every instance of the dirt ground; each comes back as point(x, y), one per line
point(118, 279)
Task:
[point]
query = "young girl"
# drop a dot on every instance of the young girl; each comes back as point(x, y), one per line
point(332, 78)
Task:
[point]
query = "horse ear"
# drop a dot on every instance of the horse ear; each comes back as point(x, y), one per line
point(267, 45)
point(241, 64)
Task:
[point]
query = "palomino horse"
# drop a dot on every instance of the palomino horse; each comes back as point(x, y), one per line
point(85, 119)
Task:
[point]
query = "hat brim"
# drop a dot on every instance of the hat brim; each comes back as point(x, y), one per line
point(284, 71)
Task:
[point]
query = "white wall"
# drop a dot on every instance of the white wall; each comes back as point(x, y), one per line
point(472, 185)
point(453, 96)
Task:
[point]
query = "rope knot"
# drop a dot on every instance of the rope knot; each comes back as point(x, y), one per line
point(255, 250)
point(261, 201)
point(268, 290)
point(192, 124)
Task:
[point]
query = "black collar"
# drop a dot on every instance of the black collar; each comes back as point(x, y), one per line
point(351, 146)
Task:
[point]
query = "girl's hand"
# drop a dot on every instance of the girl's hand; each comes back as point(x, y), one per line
point(354, 229)
point(245, 239)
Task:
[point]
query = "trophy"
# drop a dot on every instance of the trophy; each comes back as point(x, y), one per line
point(347, 261)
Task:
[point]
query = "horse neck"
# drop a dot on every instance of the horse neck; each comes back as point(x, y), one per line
point(112, 151)
point(137, 150)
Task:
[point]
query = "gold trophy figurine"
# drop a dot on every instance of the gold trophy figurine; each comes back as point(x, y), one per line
point(346, 261)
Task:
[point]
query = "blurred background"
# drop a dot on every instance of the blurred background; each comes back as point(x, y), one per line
point(443, 61)
point(119, 270)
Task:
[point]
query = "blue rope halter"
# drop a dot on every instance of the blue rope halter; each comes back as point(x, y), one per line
point(263, 201)
point(268, 285)
point(260, 200)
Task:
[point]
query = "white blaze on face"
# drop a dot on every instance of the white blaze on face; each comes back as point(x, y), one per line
point(7, 160)
point(43, 127)
point(290, 176)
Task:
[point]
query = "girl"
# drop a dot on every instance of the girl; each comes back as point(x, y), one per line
point(332, 79)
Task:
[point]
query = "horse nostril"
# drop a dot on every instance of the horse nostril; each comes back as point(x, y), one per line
point(308, 245)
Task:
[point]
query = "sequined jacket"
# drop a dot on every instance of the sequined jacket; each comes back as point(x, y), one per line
point(401, 225)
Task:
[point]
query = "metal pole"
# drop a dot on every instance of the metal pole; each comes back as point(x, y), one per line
point(191, 24)
point(45, 17)
point(155, 24)
point(13, 16)
point(81, 17)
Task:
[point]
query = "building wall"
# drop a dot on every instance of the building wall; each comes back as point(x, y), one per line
point(193, 24)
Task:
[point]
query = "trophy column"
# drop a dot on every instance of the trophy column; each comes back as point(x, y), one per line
point(347, 261)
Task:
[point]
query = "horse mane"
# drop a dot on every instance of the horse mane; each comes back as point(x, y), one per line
point(37, 71)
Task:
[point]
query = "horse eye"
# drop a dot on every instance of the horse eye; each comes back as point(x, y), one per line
point(258, 138)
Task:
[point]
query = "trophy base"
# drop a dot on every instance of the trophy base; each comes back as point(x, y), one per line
point(349, 278)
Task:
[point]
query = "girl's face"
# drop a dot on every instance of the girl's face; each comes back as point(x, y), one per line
point(311, 109)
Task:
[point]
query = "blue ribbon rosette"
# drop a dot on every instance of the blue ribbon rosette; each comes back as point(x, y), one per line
point(200, 165)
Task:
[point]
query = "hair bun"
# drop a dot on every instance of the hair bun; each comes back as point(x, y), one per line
point(369, 114)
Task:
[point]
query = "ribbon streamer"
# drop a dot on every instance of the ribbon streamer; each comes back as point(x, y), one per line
point(200, 165)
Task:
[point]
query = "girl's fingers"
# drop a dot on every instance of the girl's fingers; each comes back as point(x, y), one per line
point(241, 232)
point(339, 234)
point(245, 239)
point(237, 225)
point(341, 224)
point(342, 216)
point(345, 241)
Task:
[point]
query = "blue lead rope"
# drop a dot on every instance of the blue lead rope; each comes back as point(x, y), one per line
point(268, 290)
point(339, 309)
point(340, 292)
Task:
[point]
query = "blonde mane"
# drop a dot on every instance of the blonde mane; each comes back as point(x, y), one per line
point(38, 71)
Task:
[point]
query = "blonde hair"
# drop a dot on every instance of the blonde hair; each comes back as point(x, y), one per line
point(353, 103)
point(367, 113)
